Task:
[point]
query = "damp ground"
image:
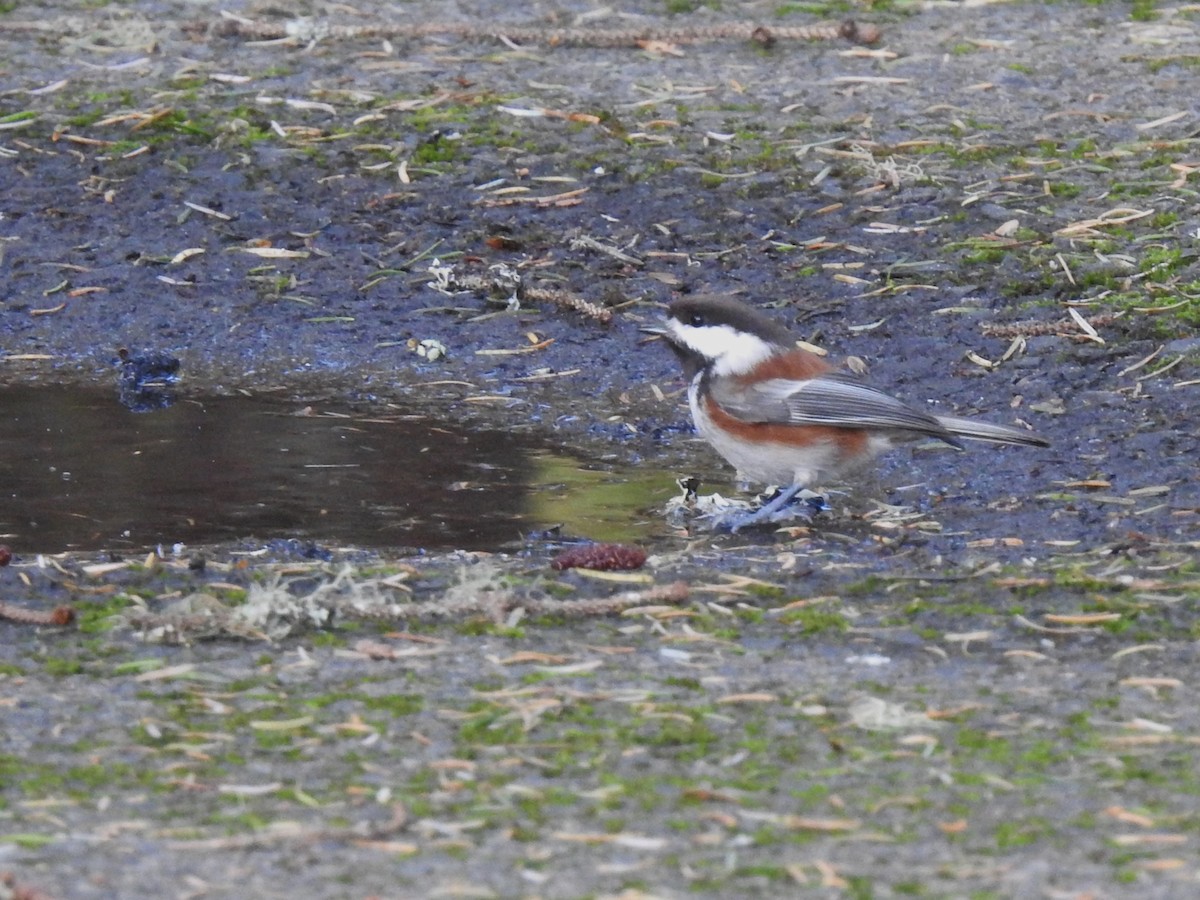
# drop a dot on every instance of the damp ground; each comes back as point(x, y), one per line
point(974, 677)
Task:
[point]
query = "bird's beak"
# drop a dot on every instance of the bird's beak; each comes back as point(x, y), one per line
point(658, 330)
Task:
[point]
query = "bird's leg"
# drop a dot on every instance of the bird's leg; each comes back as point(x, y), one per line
point(816, 502)
point(769, 510)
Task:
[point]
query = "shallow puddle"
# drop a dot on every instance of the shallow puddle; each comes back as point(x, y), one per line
point(80, 471)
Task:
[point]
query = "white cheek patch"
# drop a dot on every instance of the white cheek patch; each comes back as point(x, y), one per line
point(732, 352)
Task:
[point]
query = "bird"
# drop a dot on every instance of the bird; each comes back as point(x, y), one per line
point(781, 415)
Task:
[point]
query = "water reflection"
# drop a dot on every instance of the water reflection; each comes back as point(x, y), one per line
point(79, 471)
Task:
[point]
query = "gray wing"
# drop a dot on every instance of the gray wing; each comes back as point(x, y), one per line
point(831, 399)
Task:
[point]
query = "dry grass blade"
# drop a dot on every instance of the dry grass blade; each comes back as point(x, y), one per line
point(566, 198)
point(1044, 629)
point(585, 242)
point(1081, 618)
point(273, 252)
point(204, 210)
point(1164, 120)
point(1163, 369)
point(801, 823)
point(807, 823)
point(1122, 215)
point(1084, 325)
point(1142, 362)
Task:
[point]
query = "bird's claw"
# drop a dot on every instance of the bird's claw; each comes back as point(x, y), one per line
point(778, 509)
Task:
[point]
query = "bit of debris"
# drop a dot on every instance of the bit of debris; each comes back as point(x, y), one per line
point(429, 349)
point(310, 30)
point(506, 282)
point(59, 616)
point(279, 607)
point(146, 379)
point(604, 557)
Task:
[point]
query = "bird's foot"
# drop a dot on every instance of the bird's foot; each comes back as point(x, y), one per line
point(776, 509)
point(814, 503)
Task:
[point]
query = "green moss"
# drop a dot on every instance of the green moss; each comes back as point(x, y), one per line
point(694, 736)
point(815, 620)
point(60, 667)
point(491, 728)
point(482, 627)
point(396, 704)
point(1158, 264)
point(1011, 835)
point(869, 587)
point(27, 841)
point(993, 748)
point(1143, 11)
point(99, 616)
point(1186, 61)
point(439, 149)
point(1065, 189)
point(986, 256)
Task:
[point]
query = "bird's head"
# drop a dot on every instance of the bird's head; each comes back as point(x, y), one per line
point(721, 334)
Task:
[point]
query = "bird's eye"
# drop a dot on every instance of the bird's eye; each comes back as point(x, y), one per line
point(696, 321)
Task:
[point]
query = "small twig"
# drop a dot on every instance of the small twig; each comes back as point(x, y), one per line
point(558, 201)
point(504, 281)
point(195, 626)
point(497, 606)
point(1044, 629)
point(586, 242)
point(307, 30)
point(1064, 327)
point(60, 615)
point(573, 302)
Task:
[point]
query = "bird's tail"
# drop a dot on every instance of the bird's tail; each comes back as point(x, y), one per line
point(975, 430)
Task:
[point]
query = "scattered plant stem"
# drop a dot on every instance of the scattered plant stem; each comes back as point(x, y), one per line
point(307, 30)
point(60, 615)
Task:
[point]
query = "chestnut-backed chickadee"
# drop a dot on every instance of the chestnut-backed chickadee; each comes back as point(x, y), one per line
point(781, 414)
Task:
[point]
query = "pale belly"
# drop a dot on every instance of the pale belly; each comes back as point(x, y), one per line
point(775, 463)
